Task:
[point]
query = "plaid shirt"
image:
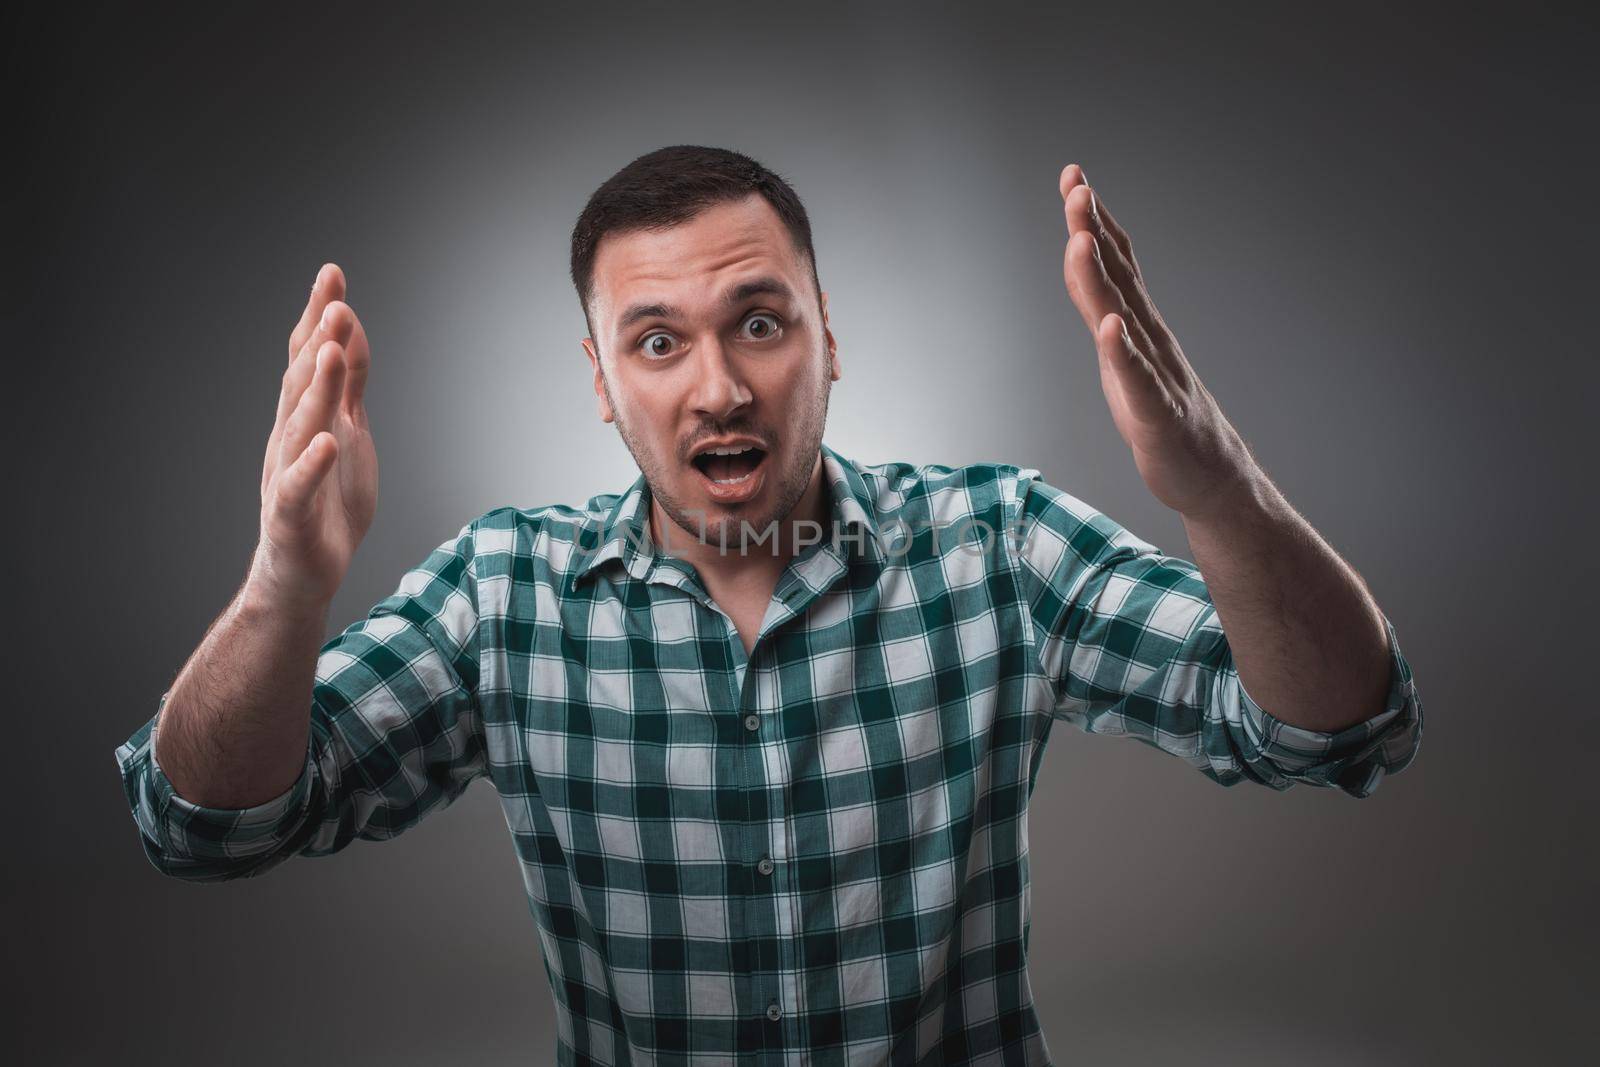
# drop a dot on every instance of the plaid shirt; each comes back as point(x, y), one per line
point(814, 854)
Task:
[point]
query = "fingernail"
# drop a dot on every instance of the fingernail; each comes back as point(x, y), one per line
point(327, 313)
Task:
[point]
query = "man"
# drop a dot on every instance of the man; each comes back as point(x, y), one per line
point(764, 726)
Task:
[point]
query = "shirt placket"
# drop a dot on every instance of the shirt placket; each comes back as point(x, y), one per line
point(768, 994)
point(757, 1003)
point(773, 898)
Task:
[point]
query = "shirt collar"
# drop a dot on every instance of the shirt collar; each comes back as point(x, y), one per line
point(853, 504)
point(625, 531)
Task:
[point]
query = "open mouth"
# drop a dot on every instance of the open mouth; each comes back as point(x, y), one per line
point(734, 475)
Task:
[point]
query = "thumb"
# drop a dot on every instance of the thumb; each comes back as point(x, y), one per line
point(298, 484)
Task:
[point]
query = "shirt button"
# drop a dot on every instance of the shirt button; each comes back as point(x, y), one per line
point(773, 1011)
point(752, 722)
point(765, 866)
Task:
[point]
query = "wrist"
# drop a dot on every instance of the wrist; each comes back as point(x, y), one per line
point(1246, 496)
point(263, 597)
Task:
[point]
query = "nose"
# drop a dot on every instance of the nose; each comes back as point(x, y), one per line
point(720, 388)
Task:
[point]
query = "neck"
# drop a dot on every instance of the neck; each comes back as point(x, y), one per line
point(756, 561)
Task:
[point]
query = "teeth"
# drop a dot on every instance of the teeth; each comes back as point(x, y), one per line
point(733, 450)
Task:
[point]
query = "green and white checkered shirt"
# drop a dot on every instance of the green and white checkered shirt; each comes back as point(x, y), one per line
point(814, 854)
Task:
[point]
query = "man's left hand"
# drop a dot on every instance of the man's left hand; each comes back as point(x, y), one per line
point(1188, 453)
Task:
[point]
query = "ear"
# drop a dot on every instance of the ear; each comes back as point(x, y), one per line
point(599, 381)
point(833, 346)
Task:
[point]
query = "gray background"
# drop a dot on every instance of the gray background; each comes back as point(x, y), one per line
point(1372, 233)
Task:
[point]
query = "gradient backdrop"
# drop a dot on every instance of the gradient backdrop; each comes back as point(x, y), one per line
point(1371, 232)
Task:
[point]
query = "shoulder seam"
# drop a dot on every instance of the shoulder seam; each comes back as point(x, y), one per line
point(1019, 479)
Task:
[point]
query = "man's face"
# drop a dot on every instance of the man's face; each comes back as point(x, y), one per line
point(708, 331)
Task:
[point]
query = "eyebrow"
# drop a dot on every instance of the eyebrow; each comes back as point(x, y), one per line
point(737, 295)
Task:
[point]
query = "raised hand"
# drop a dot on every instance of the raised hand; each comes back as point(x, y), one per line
point(1188, 453)
point(319, 479)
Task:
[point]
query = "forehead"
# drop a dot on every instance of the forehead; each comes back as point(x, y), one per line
point(693, 261)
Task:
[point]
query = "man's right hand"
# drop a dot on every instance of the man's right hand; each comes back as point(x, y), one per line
point(319, 480)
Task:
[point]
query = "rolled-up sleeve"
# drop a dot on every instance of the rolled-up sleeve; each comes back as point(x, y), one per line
point(395, 733)
point(182, 837)
point(1276, 753)
point(1131, 645)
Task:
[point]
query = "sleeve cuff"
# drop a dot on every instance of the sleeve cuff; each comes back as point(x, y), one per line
point(183, 829)
point(1355, 758)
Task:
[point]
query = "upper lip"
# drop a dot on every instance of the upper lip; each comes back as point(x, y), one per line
point(726, 442)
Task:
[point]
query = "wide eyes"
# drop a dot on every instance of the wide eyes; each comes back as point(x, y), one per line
point(763, 326)
point(765, 331)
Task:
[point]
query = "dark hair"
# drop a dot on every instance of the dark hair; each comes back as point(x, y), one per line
point(668, 187)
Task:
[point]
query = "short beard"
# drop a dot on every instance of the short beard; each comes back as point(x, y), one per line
point(733, 534)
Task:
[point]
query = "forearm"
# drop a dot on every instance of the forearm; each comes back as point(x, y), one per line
point(1307, 638)
point(235, 726)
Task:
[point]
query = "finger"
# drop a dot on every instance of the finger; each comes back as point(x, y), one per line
point(1135, 373)
point(1091, 287)
point(1071, 178)
point(1108, 225)
point(1086, 211)
point(317, 406)
point(329, 285)
point(357, 358)
point(1091, 294)
point(297, 488)
point(336, 324)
